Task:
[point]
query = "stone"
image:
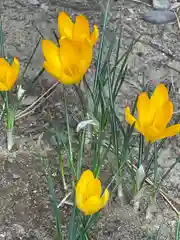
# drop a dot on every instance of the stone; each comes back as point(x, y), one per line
point(34, 2)
point(44, 7)
point(15, 176)
point(160, 17)
point(161, 4)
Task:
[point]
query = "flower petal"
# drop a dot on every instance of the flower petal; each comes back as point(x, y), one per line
point(85, 57)
point(163, 116)
point(131, 120)
point(169, 132)
point(150, 133)
point(104, 198)
point(76, 58)
point(13, 73)
point(4, 70)
point(4, 64)
point(81, 188)
point(65, 25)
point(157, 100)
point(160, 95)
point(80, 201)
point(51, 53)
point(86, 177)
point(129, 117)
point(69, 80)
point(92, 205)
point(69, 52)
point(81, 30)
point(3, 87)
point(94, 188)
point(94, 35)
point(55, 72)
point(143, 103)
point(70, 59)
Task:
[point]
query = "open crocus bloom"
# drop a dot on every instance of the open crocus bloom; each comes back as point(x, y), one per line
point(78, 31)
point(8, 74)
point(88, 194)
point(69, 62)
point(153, 115)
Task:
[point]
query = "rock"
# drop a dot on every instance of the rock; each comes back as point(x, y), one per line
point(159, 17)
point(161, 4)
point(34, 2)
point(15, 176)
point(44, 7)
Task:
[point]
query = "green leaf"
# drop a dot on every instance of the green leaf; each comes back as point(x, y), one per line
point(177, 235)
point(56, 211)
point(30, 58)
point(140, 174)
point(73, 226)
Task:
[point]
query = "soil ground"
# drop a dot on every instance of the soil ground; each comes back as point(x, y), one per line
point(24, 197)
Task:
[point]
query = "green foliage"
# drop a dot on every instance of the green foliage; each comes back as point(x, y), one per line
point(100, 139)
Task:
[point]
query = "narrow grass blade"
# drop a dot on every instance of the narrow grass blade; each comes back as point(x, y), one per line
point(87, 223)
point(81, 155)
point(101, 46)
point(112, 115)
point(56, 211)
point(70, 150)
point(107, 58)
point(177, 234)
point(73, 226)
point(30, 57)
point(141, 147)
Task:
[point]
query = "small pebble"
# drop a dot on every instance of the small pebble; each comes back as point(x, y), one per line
point(15, 176)
point(161, 4)
point(34, 2)
point(159, 17)
point(44, 7)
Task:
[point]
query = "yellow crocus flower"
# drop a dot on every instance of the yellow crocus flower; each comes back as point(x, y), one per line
point(8, 74)
point(69, 62)
point(78, 31)
point(88, 194)
point(154, 114)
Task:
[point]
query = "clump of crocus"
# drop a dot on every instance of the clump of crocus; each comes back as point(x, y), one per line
point(69, 61)
point(8, 74)
point(89, 198)
point(8, 77)
point(154, 114)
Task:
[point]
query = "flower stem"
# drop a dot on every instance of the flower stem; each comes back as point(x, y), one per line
point(146, 152)
point(10, 117)
point(155, 170)
point(62, 172)
point(70, 151)
point(10, 140)
point(177, 229)
point(141, 145)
